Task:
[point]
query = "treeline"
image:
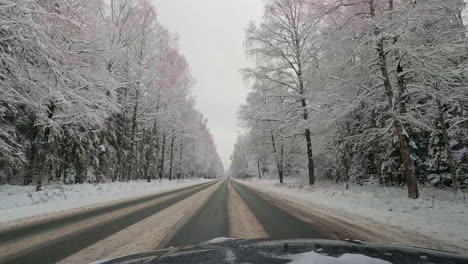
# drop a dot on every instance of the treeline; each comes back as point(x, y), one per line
point(356, 91)
point(96, 90)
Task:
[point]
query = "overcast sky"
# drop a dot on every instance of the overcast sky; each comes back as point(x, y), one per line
point(211, 37)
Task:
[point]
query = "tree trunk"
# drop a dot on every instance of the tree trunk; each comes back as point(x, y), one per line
point(132, 158)
point(163, 150)
point(298, 50)
point(346, 166)
point(310, 157)
point(121, 146)
point(172, 156)
point(399, 129)
point(282, 153)
point(378, 163)
point(153, 143)
point(147, 135)
point(447, 148)
point(411, 179)
point(45, 166)
point(280, 170)
point(258, 168)
point(31, 168)
point(180, 160)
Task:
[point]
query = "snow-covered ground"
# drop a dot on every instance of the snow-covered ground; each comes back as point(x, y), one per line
point(438, 214)
point(23, 201)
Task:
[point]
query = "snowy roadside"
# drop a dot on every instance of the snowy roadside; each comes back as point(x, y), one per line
point(436, 215)
point(19, 202)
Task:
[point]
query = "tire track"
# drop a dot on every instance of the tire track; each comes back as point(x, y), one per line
point(242, 222)
point(11, 234)
point(278, 223)
point(144, 235)
point(211, 221)
point(56, 249)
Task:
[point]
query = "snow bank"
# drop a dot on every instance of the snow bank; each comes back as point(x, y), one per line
point(438, 214)
point(23, 201)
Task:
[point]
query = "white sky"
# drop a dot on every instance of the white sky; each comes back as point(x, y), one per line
point(211, 37)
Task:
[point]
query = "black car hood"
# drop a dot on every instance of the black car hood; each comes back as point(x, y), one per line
point(285, 251)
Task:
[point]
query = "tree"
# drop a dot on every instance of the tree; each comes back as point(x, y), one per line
point(385, 82)
point(89, 91)
point(283, 50)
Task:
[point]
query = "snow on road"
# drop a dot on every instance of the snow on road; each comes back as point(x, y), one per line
point(437, 216)
point(242, 222)
point(35, 241)
point(146, 234)
point(23, 201)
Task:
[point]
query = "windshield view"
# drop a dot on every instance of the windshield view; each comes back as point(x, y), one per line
point(234, 131)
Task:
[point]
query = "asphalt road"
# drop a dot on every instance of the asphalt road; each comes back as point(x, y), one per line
point(57, 249)
point(16, 234)
point(278, 223)
point(210, 220)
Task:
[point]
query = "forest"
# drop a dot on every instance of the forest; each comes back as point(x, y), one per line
point(94, 91)
point(357, 91)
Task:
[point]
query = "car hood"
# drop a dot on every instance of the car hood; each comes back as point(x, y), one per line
point(225, 250)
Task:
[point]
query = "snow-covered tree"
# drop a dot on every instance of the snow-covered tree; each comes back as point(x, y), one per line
point(385, 88)
point(91, 90)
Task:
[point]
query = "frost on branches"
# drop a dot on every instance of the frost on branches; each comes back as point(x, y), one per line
point(96, 90)
point(355, 91)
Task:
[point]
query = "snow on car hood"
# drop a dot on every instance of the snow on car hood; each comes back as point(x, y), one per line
point(315, 258)
point(216, 240)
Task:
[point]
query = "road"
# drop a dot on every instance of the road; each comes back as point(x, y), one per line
point(182, 217)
